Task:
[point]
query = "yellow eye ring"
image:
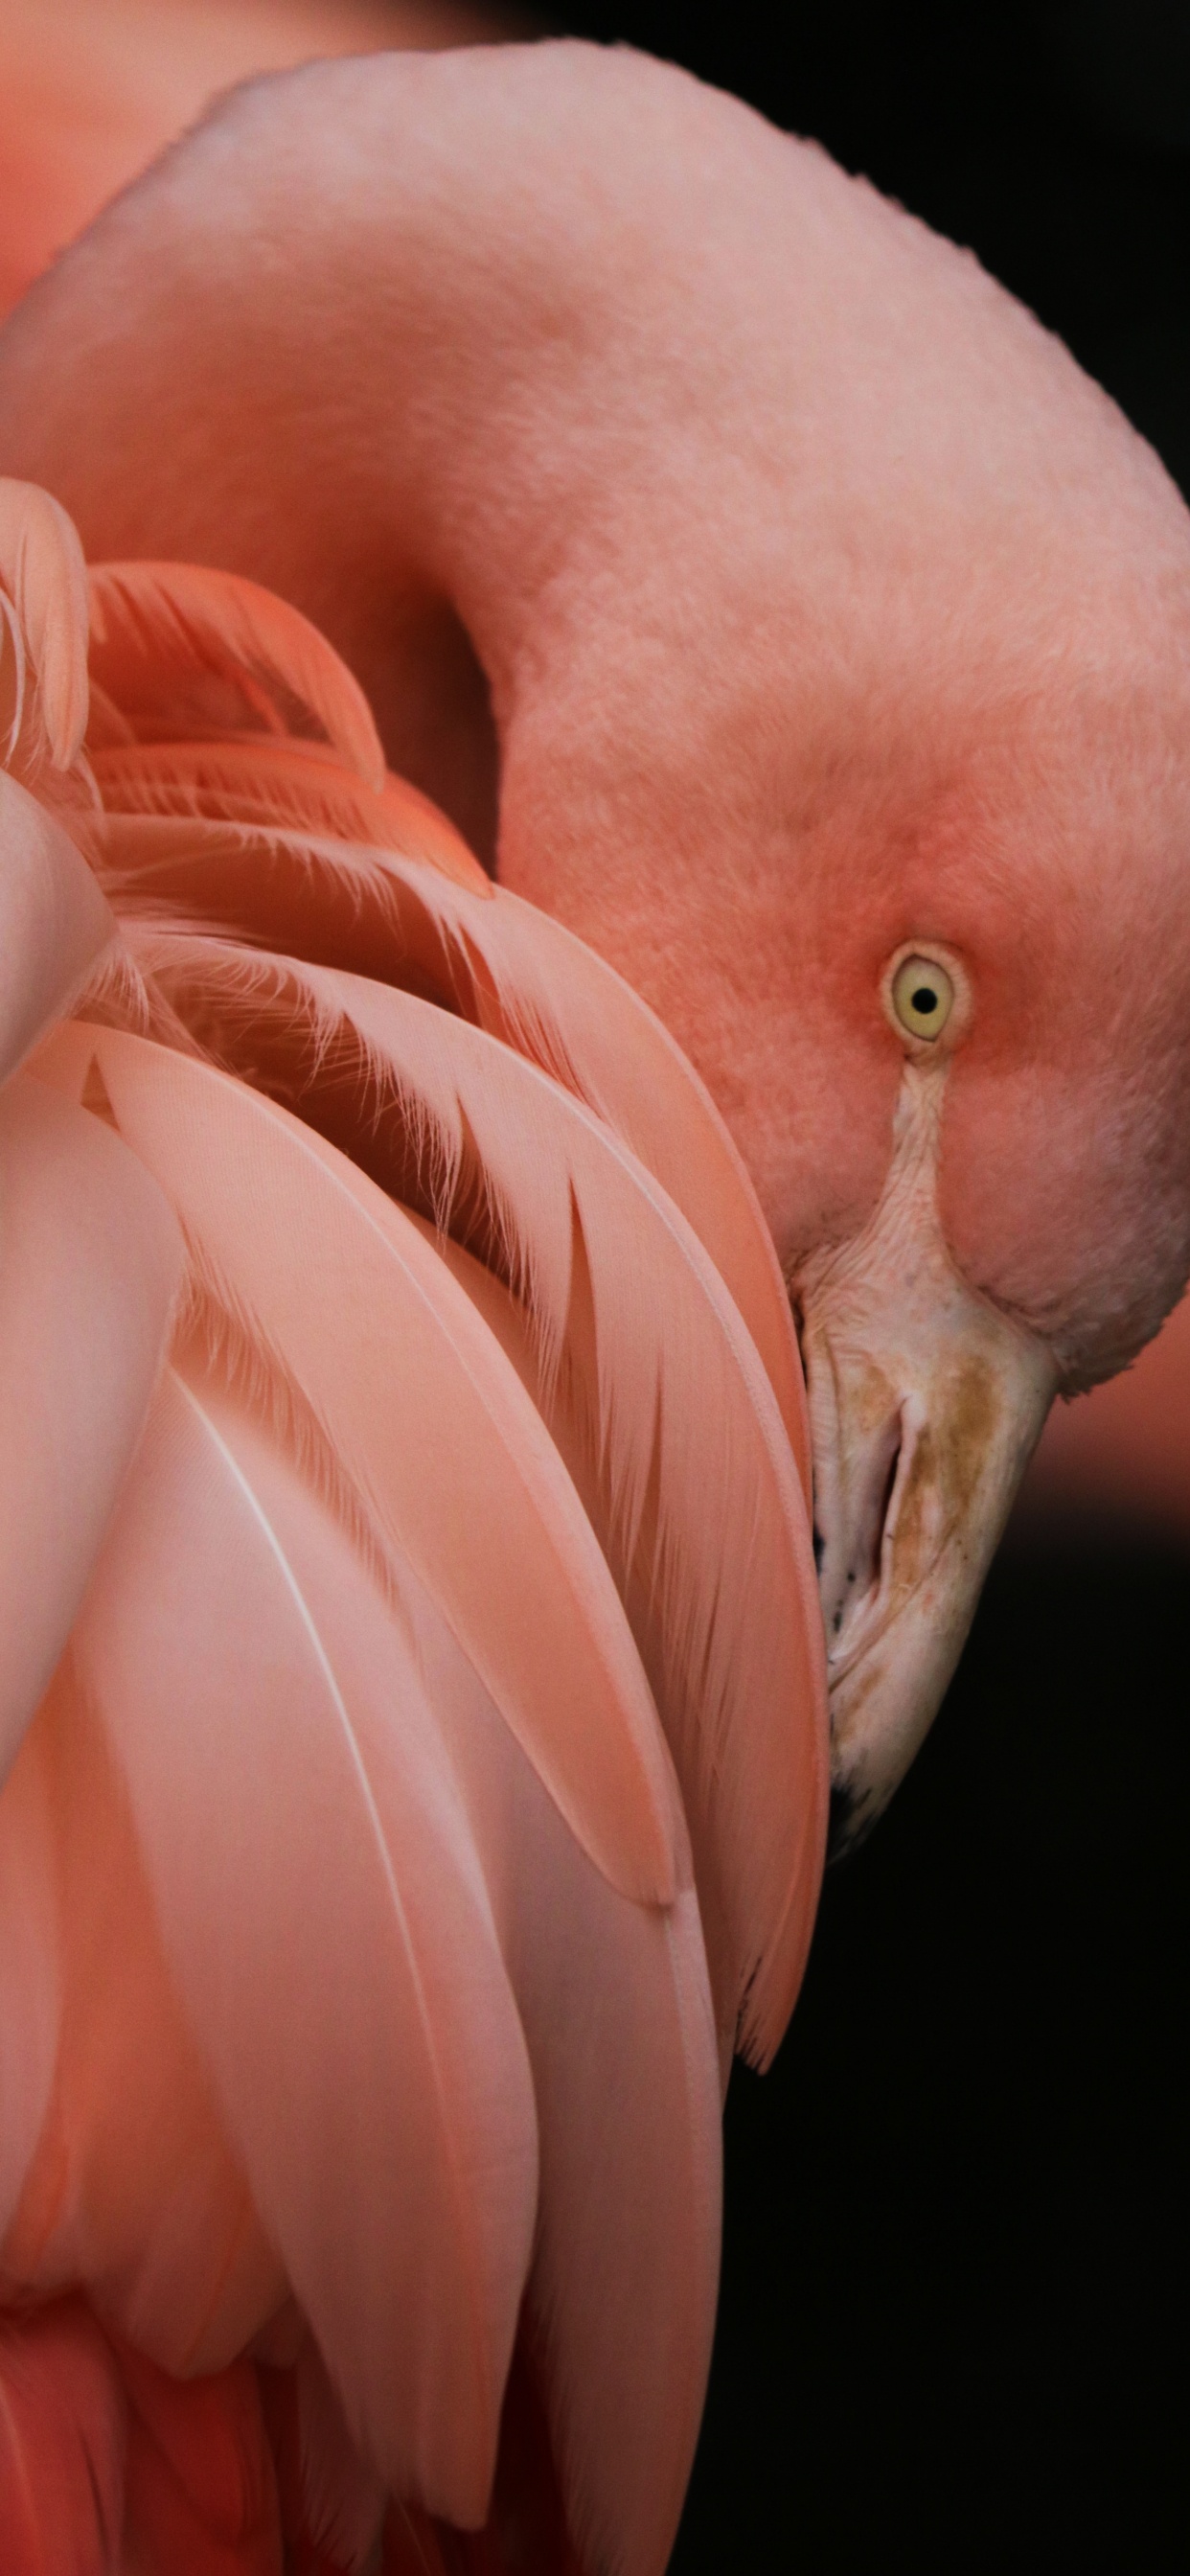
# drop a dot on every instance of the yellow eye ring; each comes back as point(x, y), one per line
point(922, 995)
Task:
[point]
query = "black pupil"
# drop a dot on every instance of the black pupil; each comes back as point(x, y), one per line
point(925, 1000)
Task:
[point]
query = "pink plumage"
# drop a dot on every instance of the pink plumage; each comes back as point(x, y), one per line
point(89, 95)
point(417, 1701)
point(441, 1522)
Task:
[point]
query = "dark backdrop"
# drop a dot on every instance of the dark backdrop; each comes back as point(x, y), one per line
point(950, 2332)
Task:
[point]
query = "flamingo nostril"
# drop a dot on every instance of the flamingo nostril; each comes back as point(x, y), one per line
point(849, 1545)
point(889, 1487)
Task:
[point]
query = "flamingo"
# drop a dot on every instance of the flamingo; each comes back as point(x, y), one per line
point(829, 959)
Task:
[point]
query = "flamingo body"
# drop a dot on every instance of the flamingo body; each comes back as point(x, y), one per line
point(418, 1737)
point(425, 1615)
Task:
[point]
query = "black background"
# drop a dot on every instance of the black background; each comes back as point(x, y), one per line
point(950, 2334)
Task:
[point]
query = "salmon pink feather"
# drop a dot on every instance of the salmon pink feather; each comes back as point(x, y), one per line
point(398, 1473)
point(414, 1687)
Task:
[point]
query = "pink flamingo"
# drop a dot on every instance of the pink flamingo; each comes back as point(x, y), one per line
point(878, 801)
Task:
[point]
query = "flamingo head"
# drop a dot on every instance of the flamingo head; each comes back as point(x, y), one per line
point(937, 974)
point(895, 836)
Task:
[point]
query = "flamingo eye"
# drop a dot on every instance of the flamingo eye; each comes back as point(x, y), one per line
point(922, 997)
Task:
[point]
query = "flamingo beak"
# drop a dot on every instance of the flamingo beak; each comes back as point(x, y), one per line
point(926, 1402)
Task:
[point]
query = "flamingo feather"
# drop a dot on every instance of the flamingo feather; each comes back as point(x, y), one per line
point(821, 657)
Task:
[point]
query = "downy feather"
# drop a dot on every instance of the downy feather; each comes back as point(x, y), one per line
point(285, 784)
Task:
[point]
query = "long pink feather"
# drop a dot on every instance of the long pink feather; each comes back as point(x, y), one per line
point(131, 2187)
point(282, 784)
point(510, 969)
point(163, 633)
point(616, 2014)
point(616, 2011)
point(43, 621)
point(449, 1458)
point(30, 1978)
point(327, 1928)
point(671, 1414)
point(54, 922)
point(90, 1264)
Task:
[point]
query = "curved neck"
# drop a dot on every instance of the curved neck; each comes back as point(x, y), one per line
point(648, 469)
point(333, 341)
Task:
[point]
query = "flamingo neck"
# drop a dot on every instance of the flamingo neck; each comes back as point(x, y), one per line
point(332, 342)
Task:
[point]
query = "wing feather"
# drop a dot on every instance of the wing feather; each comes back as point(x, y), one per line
point(331, 1283)
point(281, 784)
point(43, 623)
point(90, 1260)
point(133, 2191)
point(392, 1758)
point(161, 633)
point(510, 969)
point(644, 1368)
point(616, 2010)
point(615, 2007)
point(30, 1981)
point(54, 922)
point(327, 1928)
